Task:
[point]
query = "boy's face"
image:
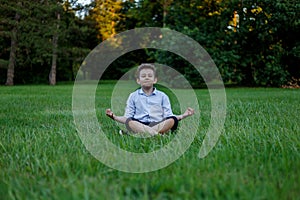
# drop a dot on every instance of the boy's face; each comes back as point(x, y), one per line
point(146, 78)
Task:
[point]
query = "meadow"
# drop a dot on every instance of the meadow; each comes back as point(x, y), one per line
point(256, 157)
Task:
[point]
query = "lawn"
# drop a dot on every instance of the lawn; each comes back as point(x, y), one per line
point(42, 156)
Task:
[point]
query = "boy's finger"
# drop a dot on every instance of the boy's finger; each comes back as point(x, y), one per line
point(111, 115)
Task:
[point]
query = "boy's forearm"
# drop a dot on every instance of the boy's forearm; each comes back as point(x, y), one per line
point(179, 117)
point(120, 119)
point(188, 112)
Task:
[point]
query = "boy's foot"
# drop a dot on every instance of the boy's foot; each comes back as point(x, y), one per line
point(122, 132)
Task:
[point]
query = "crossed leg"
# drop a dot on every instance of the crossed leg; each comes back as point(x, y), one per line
point(138, 127)
point(161, 127)
point(164, 126)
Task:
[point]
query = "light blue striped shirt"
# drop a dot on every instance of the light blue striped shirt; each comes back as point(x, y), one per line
point(152, 108)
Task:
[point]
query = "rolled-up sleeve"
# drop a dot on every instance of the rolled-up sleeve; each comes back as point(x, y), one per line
point(166, 105)
point(130, 106)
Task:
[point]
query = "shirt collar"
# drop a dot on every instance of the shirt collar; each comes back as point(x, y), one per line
point(140, 91)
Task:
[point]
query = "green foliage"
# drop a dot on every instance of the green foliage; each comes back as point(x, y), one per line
point(106, 14)
point(38, 23)
point(254, 55)
point(265, 35)
point(3, 63)
point(145, 13)
point(262, 50)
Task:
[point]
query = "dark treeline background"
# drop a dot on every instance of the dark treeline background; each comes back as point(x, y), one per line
point(253, 43)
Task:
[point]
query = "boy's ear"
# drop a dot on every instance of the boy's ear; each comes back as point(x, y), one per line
point(138, 81)
point(155, 80)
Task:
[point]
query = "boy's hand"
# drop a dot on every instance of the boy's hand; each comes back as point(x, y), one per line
point(189, 112)
point(109, 113)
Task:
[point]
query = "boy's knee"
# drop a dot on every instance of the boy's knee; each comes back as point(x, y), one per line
point(127, 123)
point(175, 125)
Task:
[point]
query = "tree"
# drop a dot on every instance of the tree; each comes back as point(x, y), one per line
point(11, 13)
point(261, 48)
point(265, 37)
point(57, 10)
point(50, 38)
point(13, 51)
point(107, 15)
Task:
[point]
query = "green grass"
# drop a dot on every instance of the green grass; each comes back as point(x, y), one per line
point(42, 157)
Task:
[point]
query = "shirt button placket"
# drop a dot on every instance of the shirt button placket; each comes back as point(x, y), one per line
point(148, 106)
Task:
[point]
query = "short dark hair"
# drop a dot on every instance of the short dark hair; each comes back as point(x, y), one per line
point(145, 66)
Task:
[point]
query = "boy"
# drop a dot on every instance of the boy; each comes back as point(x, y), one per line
point(148, 109)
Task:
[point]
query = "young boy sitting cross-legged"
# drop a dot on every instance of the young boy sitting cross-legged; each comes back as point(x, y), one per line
point(148, 110)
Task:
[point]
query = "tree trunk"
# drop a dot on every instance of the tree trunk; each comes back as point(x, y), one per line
point(165, 5)
point(52, 75)
point(12, 55)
